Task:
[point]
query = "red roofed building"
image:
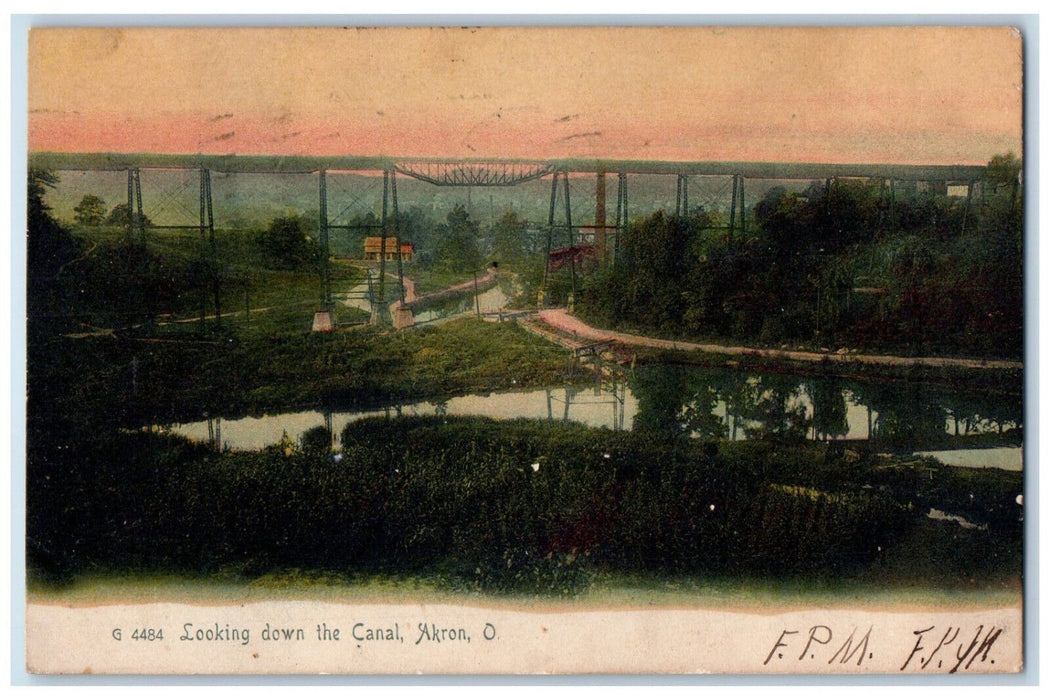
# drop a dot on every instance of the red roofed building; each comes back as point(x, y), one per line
point(374, 249)
point(579, 255)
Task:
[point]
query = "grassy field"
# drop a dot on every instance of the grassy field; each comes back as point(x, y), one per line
point(245, 281)
point(276, 363)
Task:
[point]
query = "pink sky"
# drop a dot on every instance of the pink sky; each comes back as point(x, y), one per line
point(904, 95)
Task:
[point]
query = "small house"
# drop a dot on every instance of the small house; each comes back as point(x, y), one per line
point(374, 249)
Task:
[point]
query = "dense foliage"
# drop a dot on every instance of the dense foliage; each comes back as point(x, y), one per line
point(520, 505)
point(850, 264)
point(287, 245)
point(110, 281)
point(49, 248)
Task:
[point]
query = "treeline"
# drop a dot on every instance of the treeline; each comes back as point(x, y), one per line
point(456, 243)
point(849, 263)
point(495, 505)
point(73, 281)
point(93, 271)
point(103, 273)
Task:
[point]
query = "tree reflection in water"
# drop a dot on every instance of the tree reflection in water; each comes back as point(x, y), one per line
point(676, 402)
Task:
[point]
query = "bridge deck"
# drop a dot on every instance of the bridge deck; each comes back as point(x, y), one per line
point(375, 164)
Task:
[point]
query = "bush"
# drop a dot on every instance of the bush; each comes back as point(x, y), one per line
point(317, 441)
point(286, 245)
point(524, 506)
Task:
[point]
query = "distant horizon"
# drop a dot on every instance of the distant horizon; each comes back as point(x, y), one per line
point(475, 158)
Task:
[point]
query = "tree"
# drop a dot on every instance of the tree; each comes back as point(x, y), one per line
point(416, 227)
point(49, 247)
point(851, 217)
point(91, 211)
point(509, 240)
point(38, 182)
point(286, 245)
point(118, 216)
point(1004, 171)
point(786, 222)
point(456, 249)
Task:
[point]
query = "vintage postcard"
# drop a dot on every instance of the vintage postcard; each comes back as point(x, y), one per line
point(525, 350)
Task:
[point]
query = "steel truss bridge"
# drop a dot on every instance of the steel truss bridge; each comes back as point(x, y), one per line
point(492, 172)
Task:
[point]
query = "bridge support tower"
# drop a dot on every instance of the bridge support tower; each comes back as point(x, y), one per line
point(551, 225)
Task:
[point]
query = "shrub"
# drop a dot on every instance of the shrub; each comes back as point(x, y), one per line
point(524, 506)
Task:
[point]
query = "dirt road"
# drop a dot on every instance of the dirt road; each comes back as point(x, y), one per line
point(563, 320)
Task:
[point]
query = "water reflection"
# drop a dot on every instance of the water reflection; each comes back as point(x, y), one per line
point(713, 403)
point(607, 405)
point(586, 402)
point(1009, 458)
point(830, 409)
point(491, 301)
point(675, 402)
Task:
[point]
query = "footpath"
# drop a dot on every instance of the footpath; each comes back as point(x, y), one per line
point(562, 320)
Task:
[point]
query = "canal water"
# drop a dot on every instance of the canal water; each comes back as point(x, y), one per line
point(490, 301)
point(958, 428)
